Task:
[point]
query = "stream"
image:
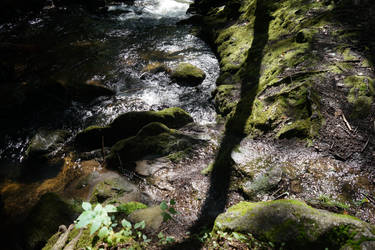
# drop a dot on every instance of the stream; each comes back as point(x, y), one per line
point(113, 48)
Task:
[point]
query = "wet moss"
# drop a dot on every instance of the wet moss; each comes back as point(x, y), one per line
point(188, 74)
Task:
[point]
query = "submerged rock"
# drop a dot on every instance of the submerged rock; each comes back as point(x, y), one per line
point(188, 74)
point(295, 224)
point(129, 124)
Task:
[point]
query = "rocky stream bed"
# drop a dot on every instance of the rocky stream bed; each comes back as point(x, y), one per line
point(253, 119)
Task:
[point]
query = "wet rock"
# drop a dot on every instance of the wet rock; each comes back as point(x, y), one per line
point(129, 124)
point(45, 142)
point(295, 224)
point(115, 190)
point(148, 145)
point(45, 218)
point(152, 217)
point(188, 74)
point(156, 67)
point(89, 91)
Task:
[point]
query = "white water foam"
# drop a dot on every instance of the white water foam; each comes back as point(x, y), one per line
point(167, 8)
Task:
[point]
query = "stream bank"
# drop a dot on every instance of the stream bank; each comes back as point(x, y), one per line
point(288, 94)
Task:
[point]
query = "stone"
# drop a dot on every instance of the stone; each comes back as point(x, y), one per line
point(129, 124)
point(45, 142)
point(115, 190)
point(188, 74)
point(294, 224)
point(152, 216)
point(147, 145)
point(263, 182)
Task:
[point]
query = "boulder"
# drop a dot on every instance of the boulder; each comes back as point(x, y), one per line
point(153, 140)
point(45, 141)
point(45, 218)
point(188, 74)
point(295, 224)
point(129, 124)
point(115, 190)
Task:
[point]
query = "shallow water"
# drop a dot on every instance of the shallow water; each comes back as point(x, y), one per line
point(72, 45)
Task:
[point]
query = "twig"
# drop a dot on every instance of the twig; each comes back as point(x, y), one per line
point(346, 122)
point(103, 153)
point(282, 195)
point(365, 146)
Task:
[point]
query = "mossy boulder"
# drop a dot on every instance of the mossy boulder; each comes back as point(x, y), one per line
point(45, 218)
point(129, 124)
point(153, 140)
point(294, 224)
point(188, 74)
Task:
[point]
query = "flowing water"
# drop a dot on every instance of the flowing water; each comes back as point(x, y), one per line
point(113, 47)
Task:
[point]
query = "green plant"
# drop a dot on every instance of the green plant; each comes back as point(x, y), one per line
point(164, 240)
point(168, 210)
point(97, 217)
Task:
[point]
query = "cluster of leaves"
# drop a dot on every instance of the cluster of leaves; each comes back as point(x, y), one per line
point(168, 210)
point(100, 221)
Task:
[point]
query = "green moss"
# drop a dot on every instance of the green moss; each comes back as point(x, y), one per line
point(186, 73)
point(347, 54)
point(129, 124)
point(51, 241)
point(293, 223)
point(299, 128)
point(208, 169)
point(139, 146)
point(225, 99)
point(360, 95)
point(130, 207)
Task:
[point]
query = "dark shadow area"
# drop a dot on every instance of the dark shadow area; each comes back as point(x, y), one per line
point(217, 197)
